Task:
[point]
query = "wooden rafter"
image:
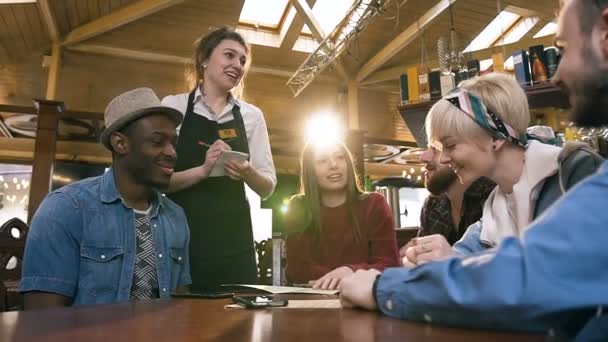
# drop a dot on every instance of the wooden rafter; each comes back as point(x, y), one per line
point(402, 40)
point(49, 20)
point(118, 18)
point(162, 58)
point(292, 27)
point(317, 32)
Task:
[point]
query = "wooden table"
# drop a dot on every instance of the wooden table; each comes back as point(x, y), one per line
point(208, 320)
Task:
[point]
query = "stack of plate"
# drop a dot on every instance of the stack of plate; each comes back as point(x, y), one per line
point(409, 157)
point(379, 152)
point(68, 128)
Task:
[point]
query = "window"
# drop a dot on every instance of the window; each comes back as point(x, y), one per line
point(510, 64)
point(274, 17)
point(264, 13)
point(305, 44)
point(485, 64)
point(329, 13)
point(14, 191)
point(491, 33)
point(518, 31)
point(549, 29)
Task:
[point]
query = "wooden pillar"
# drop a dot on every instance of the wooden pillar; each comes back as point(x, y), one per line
point(44, 152)
point(54, 67)
point(353, 105)
point(354, 143)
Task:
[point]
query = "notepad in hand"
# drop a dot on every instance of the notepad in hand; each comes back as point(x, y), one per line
point(218, 168)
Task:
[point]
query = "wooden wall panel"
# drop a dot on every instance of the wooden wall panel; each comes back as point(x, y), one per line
point(21, 81)
point(379, 116)
point(284, 111)
point(89, 82)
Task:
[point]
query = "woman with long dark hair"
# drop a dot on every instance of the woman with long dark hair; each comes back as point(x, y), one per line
point(333, 227)
point(217, 120)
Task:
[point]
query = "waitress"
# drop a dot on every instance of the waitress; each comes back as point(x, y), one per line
point(215, 120)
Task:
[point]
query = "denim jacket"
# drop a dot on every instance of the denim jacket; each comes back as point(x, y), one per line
point(542, 281)
point(82, 244)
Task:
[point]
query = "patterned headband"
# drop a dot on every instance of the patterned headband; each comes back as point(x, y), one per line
point(472, 106)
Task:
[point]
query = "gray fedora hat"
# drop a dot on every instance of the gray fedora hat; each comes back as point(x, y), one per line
point(130, 106)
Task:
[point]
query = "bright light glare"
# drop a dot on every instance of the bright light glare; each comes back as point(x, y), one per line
point(324, 130)
point(284, 208)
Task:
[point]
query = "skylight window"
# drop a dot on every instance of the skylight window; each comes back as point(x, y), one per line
point(485, 64)
point(518, 31)
point(305, 44)
point(493, 31)
point(264, 13)
point(510, 64)
point(547, 30)
point(329, 13)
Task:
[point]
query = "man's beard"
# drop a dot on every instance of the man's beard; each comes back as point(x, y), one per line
point(439, 183)
point(590, 107)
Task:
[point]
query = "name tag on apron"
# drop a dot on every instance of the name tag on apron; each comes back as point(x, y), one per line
point(227, 133)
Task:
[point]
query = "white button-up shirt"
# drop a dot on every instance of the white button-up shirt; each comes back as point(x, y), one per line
point(260, 155)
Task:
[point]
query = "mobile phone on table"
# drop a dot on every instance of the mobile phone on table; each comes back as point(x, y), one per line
point(259, 302)
point(203, 295)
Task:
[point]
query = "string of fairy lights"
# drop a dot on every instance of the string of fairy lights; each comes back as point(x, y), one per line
point(414, 173)
point(14, 188)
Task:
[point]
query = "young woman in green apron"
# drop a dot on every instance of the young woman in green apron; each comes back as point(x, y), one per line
point(221, 246)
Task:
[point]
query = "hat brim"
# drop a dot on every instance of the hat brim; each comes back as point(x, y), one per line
point(172, 113)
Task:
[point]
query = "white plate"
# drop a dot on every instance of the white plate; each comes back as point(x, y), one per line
point(388, 150)
point(409, 157)
point(22, 124)
point(25, 124)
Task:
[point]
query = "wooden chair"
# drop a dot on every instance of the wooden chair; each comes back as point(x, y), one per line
point(13, 234)
point(404, 235)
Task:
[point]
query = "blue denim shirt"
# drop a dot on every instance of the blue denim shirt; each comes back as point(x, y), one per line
point(558, 267)
point(470, 242)
point(82, 244)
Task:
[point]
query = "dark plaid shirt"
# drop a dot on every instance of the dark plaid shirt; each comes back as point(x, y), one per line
point(436, 214)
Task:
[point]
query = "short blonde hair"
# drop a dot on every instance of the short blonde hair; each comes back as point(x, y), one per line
point(500, 93)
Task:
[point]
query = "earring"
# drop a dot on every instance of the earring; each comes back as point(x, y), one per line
point(204, 66)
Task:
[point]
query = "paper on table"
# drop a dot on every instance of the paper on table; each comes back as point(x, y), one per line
point(218, 168)
point(287, 289)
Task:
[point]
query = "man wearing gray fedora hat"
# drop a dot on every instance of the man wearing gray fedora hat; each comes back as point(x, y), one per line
point(114, 237)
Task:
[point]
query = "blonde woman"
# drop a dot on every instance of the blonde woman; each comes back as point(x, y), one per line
point(480, 128)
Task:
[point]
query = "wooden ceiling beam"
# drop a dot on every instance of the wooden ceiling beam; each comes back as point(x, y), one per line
point(162, 58)
point(305, 12)
point(49, 20)
point(402, 40)
point(292, 27)
point(118, 18)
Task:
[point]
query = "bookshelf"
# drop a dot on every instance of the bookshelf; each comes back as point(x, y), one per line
point(539, 96)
